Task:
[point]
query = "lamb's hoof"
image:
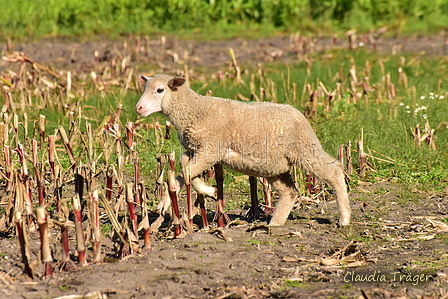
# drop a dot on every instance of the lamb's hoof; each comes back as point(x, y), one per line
point(344, 222)
point(275, 222)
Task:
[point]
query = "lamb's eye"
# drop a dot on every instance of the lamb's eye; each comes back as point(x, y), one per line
point(160, 90)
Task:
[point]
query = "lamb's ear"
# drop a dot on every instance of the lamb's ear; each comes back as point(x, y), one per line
point(176, 82)
point(144, 78)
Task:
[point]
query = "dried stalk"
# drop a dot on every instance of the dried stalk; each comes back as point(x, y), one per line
point(81, 246)
point(130, 202)
point(187, 176)
point(168, 130)
point(362, 156)
point(173, 195)
point(45, 251)
point(96, 229)
point(41, 126)
point(144, 224)
point(200, 200)
point(348, 157)
point(24, 245)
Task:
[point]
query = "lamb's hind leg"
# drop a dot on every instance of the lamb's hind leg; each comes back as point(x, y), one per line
point(284, 185)
point(331, 172)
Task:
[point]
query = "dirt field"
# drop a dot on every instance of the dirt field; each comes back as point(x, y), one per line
point(397, 246)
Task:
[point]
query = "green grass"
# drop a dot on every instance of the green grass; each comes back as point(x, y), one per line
point(199, 18)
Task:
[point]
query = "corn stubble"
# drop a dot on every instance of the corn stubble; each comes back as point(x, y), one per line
point(81, 174)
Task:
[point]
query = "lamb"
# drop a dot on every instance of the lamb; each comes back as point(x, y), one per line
point(260, 139)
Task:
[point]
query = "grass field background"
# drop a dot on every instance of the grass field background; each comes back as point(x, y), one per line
point(224, 18)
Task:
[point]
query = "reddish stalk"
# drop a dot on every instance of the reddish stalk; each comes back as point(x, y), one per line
point(173, 195)
point(201, 201)
point(65, 249)
point(45, 251)
point(130, 134)
point(309, 184)
point(130, 202)
point(23, 241)
point(145, 222)
point(81, 246)
point(219, 177)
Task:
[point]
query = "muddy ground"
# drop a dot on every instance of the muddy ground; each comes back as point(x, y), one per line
point(397, 241)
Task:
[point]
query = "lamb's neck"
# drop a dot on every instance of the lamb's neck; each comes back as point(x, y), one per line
point(185, 110)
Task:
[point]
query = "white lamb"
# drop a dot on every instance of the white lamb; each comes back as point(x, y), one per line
point(258, 139)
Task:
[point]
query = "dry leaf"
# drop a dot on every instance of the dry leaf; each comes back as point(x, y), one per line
point(290, 259)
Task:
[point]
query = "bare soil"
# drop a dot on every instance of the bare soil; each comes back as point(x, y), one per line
point(397, 241)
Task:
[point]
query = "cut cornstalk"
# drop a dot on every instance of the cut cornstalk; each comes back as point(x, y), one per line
point(159, 182)
point(96, 230)
point(41, 126)
point(310, 183)
point(24, 246)
point(81, 246)
point(168, 130)
point(341, 156)
point(45, 251)
point(144, 224)
point(362, 156)
point(187, 177)
point(200, 200)
point(348, 157)
point(65, 261)
point(137, 191)
point(130, 134)
point(67, 146)
point(130, 202)
point(51, 152)
point(173, 195)
point(58, 183)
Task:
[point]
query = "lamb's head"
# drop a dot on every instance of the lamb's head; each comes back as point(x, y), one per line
point(157, 89)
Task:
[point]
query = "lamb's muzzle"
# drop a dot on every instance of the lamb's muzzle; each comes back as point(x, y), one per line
point(258, 139)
